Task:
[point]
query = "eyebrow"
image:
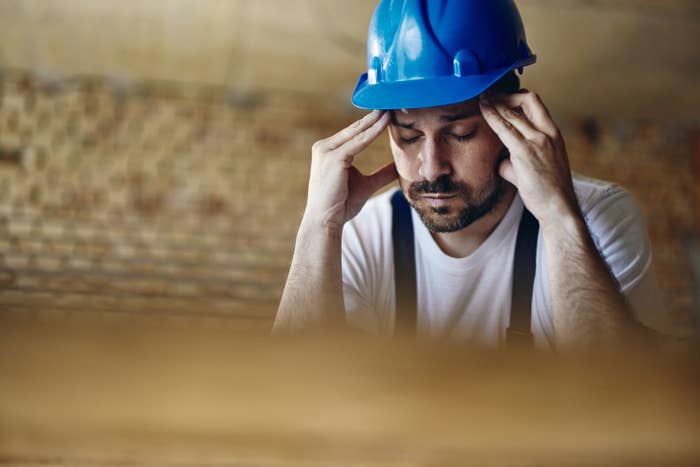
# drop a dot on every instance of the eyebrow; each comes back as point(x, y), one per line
point(443, 118)
point(460, 116)
point(395, 122)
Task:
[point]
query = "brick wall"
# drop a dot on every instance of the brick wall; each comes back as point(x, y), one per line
point(177, 203)
point(654, 161)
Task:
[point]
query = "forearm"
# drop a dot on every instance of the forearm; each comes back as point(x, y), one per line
point(588, 308)
point(313, 295)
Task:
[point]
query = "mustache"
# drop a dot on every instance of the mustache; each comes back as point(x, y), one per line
point(442, 184)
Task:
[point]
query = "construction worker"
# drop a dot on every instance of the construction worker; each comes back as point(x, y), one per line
point(489, 240)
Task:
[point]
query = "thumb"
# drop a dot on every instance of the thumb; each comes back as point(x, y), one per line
point(505, 170)
point(381, 177)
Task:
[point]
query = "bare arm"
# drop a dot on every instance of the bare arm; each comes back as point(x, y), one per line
point(587, 306)
point(589, 311)
point(313, 294)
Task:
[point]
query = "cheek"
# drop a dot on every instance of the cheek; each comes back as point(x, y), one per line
point(487, 151)
point(491, 141)
point(406, 168)
point(406, 164)
point(484, 166)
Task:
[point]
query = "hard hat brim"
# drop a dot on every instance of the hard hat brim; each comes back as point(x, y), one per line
point(426, 92)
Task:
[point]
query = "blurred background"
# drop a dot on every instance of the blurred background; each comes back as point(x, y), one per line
point(154, 158)
point(154, 155)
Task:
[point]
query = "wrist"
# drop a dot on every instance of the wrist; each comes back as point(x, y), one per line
point(568, 224)
point(323, 222)
point(313, 229)
point(317, 245)
point(561, 212)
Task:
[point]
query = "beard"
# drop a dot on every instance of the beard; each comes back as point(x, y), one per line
point(474, 203)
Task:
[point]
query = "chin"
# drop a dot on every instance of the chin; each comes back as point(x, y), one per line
point(472, 207)
point(439, 222)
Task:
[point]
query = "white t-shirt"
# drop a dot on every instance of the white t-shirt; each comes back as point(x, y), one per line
point(469, 299)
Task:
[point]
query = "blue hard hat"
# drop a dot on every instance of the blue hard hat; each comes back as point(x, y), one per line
point(426, 53)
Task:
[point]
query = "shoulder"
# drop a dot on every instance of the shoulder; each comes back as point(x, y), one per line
point(373, 221)
point(594, 194)
point(367, 258)
point(606, 205)
point(616, 225)
point(367, 237)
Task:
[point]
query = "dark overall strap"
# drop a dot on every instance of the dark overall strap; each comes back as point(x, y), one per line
point(404, 265)
point(524, 264)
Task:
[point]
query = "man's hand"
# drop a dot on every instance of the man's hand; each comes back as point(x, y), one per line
point(588, 309)
point(337, 190)
point(538, 164)
point(313, 294)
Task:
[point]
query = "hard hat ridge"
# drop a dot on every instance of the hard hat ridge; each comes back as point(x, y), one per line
point(415, 52)
point(426, 53)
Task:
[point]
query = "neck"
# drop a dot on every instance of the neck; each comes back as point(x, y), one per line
point(464, 242)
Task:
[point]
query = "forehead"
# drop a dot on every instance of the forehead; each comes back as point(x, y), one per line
point(445, 113)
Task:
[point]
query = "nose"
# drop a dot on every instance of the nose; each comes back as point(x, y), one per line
point(433, 161)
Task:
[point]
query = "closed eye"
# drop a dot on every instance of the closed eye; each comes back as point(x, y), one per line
point(464, 137)
point(458, 137)
point(410, 140)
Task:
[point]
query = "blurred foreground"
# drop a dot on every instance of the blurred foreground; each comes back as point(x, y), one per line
point(140, 393)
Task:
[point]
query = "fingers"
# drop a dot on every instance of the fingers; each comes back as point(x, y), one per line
point(350, 132)
point(534, 109)
point(360, 141)
point(504, 129)
point(519, 121)
point(516, 130)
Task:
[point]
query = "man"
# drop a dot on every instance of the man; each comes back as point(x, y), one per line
point(500, 237)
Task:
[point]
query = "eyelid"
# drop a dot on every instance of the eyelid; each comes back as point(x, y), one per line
point(412, 136)
point(466, 135)
point(409, 140)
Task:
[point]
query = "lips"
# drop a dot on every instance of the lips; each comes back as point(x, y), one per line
point(438, 195)
point(437, 199)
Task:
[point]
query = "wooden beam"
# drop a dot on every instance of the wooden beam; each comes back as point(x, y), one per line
point(696, 174)
point(146, 396)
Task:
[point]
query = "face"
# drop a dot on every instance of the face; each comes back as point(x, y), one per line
point(447, 158)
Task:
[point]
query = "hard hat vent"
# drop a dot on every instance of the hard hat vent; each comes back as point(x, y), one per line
point(466, 63)
point(374, 73)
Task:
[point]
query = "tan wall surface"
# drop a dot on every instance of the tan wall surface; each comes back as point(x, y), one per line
point(158, 203)
point(153, 166)
point(154, 154)
point(634, 58)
